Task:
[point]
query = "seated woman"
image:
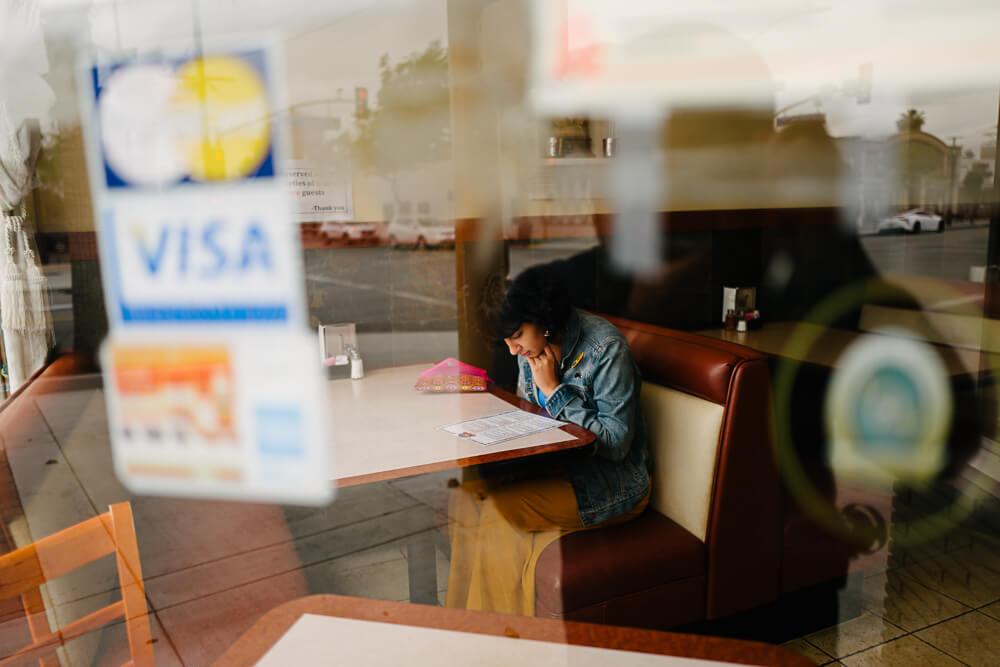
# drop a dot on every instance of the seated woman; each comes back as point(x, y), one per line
point(580, 369)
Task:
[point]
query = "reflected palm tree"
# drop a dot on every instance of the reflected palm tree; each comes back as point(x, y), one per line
point(911, 121)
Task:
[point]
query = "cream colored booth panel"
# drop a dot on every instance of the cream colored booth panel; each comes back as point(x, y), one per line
point(684, 441)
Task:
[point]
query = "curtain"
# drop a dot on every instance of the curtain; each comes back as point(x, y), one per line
point(25, 99)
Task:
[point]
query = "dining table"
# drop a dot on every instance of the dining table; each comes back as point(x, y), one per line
point(383, 429)
point(341, 630)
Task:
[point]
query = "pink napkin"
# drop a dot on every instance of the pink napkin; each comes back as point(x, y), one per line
point(452, 376)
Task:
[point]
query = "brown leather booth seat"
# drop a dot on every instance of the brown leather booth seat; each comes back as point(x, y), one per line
point(710, 543)
point(629, 595)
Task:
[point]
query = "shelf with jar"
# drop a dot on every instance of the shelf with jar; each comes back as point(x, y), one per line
point(579, 137)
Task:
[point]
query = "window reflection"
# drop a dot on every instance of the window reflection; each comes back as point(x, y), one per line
point(843, 170)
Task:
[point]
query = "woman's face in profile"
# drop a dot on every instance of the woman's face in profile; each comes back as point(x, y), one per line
point(528, 341)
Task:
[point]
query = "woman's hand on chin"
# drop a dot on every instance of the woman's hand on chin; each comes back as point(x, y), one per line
point(544, 368)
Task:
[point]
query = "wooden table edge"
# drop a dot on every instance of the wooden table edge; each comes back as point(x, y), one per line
point(266, 632)
point(953, 367)
point(582, 438)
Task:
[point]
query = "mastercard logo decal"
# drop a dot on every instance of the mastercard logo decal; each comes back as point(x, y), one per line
point(204, 119)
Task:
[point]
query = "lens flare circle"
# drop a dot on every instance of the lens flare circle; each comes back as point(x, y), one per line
point(888, 409)
point(800, 341)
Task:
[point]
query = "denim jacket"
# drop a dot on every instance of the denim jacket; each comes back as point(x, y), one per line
point(599, 390)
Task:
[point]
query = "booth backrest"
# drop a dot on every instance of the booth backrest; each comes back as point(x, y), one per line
point(707, 406)
point(684, 442)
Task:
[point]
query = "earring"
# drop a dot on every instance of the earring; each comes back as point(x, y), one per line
point(547, 334)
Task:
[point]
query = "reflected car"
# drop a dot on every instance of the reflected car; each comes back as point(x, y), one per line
point(349, 232)
point(913, 221)
point(421, 232)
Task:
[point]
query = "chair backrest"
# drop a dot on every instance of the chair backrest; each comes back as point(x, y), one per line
point(684, 445)
point(22, 571)
point(707, 407)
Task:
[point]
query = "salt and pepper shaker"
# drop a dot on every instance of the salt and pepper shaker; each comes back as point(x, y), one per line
point(357, 365)
point(556, 147)
point(608, 146)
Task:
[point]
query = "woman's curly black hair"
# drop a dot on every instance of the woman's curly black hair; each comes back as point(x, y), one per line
point(537, 296)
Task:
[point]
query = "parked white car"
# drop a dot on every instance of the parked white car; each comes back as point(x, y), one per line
point(913, 221)
point(421, 232)
point(348, 232)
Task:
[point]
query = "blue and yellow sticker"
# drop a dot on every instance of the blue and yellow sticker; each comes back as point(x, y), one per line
point(201, 119)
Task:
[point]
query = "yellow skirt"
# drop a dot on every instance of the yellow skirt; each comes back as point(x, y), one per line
point(498, 532)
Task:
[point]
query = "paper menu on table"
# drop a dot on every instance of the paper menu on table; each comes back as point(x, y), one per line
point(501, 427)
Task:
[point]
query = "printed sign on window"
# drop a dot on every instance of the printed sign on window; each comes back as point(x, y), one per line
point(211, 383)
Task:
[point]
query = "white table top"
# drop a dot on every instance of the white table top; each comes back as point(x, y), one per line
point(331, 640)
point(382, 428)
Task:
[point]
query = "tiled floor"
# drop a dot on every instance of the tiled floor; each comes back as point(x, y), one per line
point(933, 604)
point(213, 568)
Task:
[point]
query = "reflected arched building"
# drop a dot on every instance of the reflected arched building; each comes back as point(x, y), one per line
point(905, 170)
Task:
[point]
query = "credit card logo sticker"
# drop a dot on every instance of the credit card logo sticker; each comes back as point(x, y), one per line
point(205, 251)
point(170, 397)
point(193, 262)
point(203, 119)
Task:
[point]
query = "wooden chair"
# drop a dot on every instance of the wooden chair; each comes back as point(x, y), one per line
point(24, 570)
